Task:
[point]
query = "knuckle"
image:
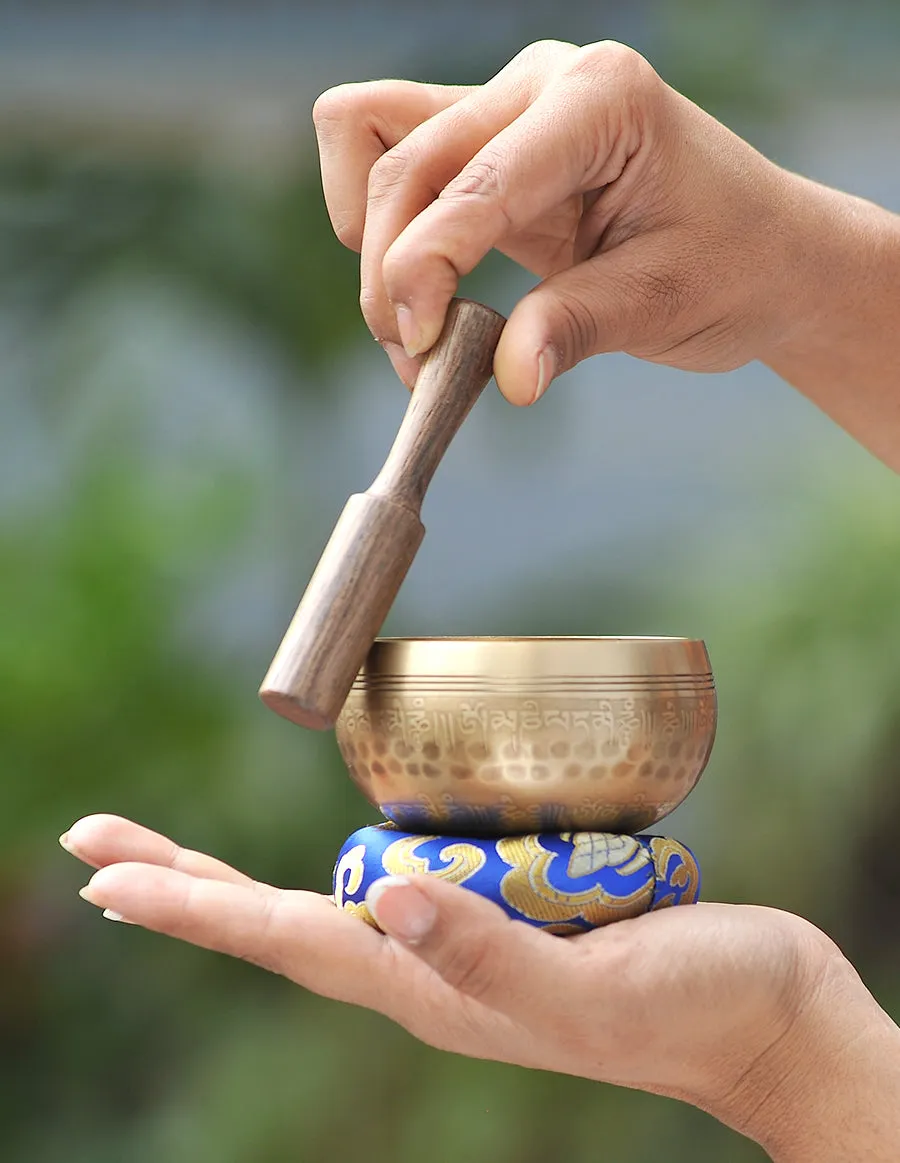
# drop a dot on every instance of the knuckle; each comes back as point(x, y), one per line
point(388, 172)
point(484, 181)
point(175, 856)
point(577, 327)
point(265, 949)
point(545, 52)
point(341, 103)
point(611, 58)
point(481, 178)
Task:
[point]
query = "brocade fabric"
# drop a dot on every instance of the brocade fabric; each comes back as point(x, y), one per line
point(563, 882)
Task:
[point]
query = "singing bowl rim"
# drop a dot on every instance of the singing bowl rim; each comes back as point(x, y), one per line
point(588, 658)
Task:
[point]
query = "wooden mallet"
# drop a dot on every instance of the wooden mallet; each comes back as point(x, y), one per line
point(379, 531)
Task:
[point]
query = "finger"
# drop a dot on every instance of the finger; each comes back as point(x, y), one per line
point(578, 135)
point(557, 150)
point(470, 942)
point(355, 124)
point(103, 839)
point(627, 299)
point(410, 176)
point(300, 935)
point(402, 183)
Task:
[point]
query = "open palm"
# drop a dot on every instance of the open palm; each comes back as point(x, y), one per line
point(685, 1001)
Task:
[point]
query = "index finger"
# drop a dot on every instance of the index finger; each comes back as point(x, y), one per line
point(106, 839)
point(355, 125)
point(578, 135)
point(300, 935)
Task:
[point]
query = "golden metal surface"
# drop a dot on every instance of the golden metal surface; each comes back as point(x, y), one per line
point(498, 736)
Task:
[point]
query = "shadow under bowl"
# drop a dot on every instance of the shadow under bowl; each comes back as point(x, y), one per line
point(499, 736)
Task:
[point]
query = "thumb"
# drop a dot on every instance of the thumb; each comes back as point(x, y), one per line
point(469, 941)
point(622, 300)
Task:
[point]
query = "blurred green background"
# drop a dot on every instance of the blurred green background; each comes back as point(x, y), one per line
point(188, 396)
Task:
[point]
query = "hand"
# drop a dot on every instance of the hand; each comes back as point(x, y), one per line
point(736, 1009)
point(655, 229)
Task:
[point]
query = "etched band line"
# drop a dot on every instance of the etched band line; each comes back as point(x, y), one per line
point(514, 687)
point(689, 676)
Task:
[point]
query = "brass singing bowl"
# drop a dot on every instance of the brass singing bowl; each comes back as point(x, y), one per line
point(496, 736)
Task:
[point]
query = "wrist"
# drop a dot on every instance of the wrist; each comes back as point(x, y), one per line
point(829, 1088)
point(835, 304)
point(837, 250)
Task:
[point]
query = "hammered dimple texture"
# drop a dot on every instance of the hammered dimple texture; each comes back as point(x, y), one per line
point(453, 753)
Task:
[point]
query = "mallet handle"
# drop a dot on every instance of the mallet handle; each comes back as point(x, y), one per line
point(379, 531)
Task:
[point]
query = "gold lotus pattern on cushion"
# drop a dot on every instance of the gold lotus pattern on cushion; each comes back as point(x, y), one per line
point(563, 882)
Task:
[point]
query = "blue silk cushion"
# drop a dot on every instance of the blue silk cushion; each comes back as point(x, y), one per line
point(564, 882)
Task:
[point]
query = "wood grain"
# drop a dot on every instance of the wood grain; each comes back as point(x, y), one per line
point(379, 531)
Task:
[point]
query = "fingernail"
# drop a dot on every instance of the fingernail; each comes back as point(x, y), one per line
point(410, 336)
point(65, 842)
point(87, 895)
point(400, 909)
point(546, 371)
point(114, 916)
